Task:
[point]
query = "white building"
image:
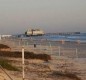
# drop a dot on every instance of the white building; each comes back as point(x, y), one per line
point(34, 32)
point(3, 36)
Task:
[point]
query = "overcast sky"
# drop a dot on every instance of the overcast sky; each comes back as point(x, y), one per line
point(16, 16)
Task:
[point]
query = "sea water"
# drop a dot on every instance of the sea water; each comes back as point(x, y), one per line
point(55, 37)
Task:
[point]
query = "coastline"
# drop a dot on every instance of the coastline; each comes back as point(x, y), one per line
point(59, 63)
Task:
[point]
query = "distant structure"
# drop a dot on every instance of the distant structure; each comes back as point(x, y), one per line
point(64, 33)
point(34, 32)
point(6, 36)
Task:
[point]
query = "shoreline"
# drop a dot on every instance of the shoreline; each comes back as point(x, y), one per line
point(62, 61)
point(47, 47)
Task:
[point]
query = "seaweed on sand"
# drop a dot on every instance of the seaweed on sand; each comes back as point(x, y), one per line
point(5, 64)
point(28, 55)
point(65, 74)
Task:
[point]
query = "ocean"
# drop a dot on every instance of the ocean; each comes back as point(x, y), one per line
point(55, 37)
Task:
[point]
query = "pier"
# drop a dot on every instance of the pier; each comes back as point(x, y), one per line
point(63, 33)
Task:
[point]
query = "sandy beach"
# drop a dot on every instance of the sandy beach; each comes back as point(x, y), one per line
point(63, 62)
point(52, 70)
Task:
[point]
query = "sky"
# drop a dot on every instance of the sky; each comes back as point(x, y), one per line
point(16, 16)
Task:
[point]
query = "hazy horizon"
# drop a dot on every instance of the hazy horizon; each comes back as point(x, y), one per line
point(16, 16)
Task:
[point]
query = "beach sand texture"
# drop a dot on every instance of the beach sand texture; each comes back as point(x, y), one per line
point(52, 70)
point(41, 70)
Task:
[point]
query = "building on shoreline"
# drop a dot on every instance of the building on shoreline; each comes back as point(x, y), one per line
point(34, 32)
point(5, 36)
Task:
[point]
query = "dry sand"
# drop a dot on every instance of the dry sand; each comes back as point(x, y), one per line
point(40, 70)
